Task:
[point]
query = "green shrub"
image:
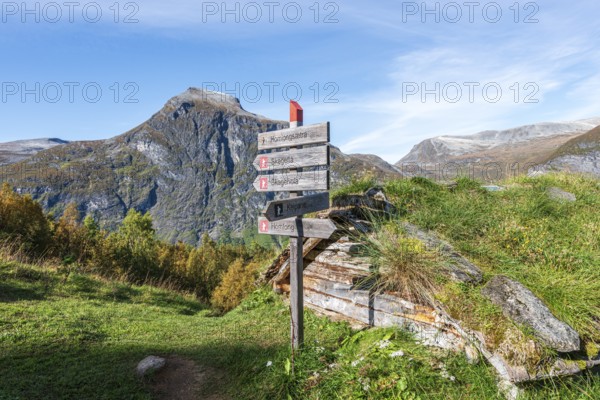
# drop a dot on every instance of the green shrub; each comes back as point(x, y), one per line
point(237, 283)
point(130, 253)
point(23, 220)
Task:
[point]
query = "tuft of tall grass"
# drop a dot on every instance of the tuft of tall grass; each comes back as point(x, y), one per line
point(403, 265)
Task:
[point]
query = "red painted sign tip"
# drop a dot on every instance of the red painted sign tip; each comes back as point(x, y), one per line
point(296, 112)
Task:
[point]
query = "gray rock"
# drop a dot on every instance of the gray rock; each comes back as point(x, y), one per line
point(509, 390)
point(559, 194)
point(376, 193)
point(12, 152)
point(472, 354)
point(534, 173)
point(520, 305)
point(373, 202)
point(150, 364)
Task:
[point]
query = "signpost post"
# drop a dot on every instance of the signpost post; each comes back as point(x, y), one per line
point(285, 217)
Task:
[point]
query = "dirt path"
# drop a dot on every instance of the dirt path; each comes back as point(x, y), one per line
point(182, 379)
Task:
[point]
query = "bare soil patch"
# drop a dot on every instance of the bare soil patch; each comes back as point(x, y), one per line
point(182, 379)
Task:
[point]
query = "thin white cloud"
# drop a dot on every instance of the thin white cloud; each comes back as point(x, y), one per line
point(545, 57)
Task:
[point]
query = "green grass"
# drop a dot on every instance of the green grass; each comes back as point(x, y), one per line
point(552, 247)
point(80, 337)
point(356, 186)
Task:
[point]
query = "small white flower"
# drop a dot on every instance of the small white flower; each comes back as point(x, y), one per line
point(446, 375)
point(356, 362)
point(366, 388)
point(384, 343)
point(269, 363)
point(398, 353)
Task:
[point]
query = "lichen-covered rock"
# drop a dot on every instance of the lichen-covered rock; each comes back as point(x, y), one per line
point(520, 305)
point(374, 201)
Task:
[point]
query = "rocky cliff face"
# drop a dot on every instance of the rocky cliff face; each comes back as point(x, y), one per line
point(580, 154)
point(189, 165)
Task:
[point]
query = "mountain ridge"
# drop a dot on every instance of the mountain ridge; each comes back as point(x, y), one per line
point(11, 152)
point(492, 155)
point(442, 148)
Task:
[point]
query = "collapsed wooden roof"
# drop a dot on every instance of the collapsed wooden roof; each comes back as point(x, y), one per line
point(338, 283)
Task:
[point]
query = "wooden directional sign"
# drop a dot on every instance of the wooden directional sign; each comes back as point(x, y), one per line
point(278, 213)
point(300, 136)
point(282, 209)
point(307, 227)
point(293, 181)
point(302, 158)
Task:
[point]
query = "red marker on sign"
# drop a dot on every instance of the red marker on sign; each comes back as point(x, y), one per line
point(296, 114)
point(264, 227)
point(264, 183)
point(264, 162)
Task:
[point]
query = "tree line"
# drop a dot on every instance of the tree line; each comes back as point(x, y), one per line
point(221, 273)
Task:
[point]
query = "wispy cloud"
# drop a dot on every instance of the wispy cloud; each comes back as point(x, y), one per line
point(533, 63)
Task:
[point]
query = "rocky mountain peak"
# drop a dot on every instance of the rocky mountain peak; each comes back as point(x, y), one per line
point(197, 96)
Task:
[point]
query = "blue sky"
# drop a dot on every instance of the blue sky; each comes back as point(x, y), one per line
point(387, 75)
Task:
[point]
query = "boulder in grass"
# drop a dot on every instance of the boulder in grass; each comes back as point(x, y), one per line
point(522, 306)
point(560, 195)
point(149, 365)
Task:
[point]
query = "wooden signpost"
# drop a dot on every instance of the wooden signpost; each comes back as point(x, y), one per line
point(282, 209)
point(284, 217)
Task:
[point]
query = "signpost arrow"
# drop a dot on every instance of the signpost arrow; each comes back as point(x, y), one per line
point(292, 181)
point(307, 227)
point(282, 209)
point(309, 157)
point(299, 136)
